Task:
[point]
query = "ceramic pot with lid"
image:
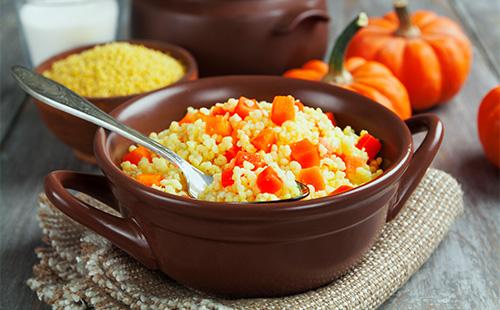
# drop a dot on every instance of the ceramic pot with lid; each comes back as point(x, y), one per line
point(237, 36)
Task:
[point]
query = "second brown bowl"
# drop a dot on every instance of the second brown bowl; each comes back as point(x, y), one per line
point(79, 134)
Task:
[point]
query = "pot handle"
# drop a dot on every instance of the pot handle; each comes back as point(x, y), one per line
point(422, 157)
point(123, 232)
point(296, 17)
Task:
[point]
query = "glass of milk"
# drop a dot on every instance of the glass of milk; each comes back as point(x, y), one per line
point(53, 26)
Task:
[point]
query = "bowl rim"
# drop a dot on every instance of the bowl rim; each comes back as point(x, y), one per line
point(190, 205)
point(182, 55)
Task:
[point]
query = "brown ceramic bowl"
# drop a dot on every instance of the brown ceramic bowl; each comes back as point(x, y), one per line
point(248, 250)
point(79, 134)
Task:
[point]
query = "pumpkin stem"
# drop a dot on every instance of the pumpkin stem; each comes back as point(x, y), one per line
point(337, 73)
point(406, 28)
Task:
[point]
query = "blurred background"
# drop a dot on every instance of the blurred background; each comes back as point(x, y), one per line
point(480, 18)
point(14, 50)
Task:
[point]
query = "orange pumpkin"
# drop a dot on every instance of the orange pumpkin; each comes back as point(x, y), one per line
point(428, 53)
point(488, 124)
point(369, 78)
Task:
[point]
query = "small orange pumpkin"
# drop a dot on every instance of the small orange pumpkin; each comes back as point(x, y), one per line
point(428, 53)
point(369, 78)
point(488, 124)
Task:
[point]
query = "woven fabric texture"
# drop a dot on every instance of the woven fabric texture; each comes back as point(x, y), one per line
point(80, 270)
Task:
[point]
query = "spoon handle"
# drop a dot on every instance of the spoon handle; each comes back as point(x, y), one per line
point(61, 98)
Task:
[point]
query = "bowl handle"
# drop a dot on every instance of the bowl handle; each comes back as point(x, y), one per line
point(123, 232)
point(292, 19)
point(422, 157)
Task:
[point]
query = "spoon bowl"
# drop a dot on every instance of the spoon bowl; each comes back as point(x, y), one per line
point(62, 98)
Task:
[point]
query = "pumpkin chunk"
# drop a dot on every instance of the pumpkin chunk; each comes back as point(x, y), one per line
point(312, 176)
point(149, 179)
point(191, 118)
point(253, 158)
point(227, 177)
point(231, 153)
point(245, 106)
point(370, 144)
point(268, 181)
point(218, 110)
point(136, 155)
point(283, 109)
point(264, 140)
point(218, 125)
point(305, 153)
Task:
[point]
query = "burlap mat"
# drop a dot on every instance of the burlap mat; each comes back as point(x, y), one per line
point(79, 270)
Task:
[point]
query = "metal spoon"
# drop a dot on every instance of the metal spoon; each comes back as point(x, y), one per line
point(61, 98)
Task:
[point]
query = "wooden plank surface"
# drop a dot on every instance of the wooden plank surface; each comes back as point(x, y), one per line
point(30, 152)
point(481, 18)
point(11, 97)
point(464, 271)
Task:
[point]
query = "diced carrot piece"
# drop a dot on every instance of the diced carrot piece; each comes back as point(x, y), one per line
point(245, 106)
point(331, 117)
point(370, 144)
point(264, 140)
point(149, 179)
point(317, 65)
point(231, 153)
point(305, 153)
point(303, 74)
point(282, 109)
point(253, 158)
point(136, 155)
point(299, 105)
point(188, 118)
point(268, 181)
point(227, 177)
point(218, 125)
point(191, 118)
point(312, 176)
point(352, 163)
point(341, 189)
point(218, 110)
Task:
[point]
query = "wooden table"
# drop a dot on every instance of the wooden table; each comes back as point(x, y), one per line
point(463, 273)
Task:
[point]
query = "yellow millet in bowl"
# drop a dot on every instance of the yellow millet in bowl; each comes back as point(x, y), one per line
point(257, 150)
point(116, 69)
